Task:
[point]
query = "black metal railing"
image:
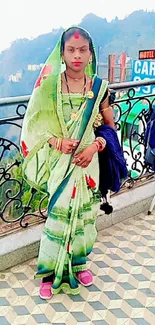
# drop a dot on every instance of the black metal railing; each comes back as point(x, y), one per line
point(20, 204)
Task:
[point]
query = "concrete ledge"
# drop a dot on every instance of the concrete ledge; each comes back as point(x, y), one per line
point(20, 239)
point(19, 256)
point(104, 221)
point(21, 246)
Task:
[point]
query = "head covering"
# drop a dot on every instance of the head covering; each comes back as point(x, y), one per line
point(55, 65)
point(44, 117)
point(45, 101)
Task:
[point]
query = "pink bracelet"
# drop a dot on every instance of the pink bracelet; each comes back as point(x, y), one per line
point(100, 143)
point(97, 145)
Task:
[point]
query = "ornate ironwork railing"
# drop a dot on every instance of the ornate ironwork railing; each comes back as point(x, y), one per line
point(20, 204)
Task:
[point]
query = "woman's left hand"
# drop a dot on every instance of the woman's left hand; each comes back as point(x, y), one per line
point(84, 158)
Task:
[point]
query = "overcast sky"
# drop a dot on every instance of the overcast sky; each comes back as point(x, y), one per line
point(30, 18)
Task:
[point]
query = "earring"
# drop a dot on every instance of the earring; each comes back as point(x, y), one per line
point(63, 61)
point(90, 61)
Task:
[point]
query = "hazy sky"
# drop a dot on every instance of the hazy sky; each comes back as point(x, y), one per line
point(29, 18)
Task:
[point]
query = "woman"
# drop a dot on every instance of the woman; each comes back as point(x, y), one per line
point(61, 159)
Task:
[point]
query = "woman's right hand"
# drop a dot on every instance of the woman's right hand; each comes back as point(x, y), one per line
point(69, 145)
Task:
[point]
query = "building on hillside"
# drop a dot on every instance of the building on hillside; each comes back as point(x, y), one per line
point(15, 77)
point(35, 67)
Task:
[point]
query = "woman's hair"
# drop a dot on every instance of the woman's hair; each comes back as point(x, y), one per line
point(71, 32)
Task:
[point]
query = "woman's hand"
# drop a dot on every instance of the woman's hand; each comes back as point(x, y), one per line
point(67, 146)
point(84, 158)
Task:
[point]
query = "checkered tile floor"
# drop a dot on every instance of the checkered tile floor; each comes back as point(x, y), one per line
point(123, 264)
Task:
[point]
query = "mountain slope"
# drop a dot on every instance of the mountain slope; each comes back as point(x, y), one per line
point(130, 34)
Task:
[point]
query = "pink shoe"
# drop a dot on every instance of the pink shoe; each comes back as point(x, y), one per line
point(85, 278)
point(45, 290)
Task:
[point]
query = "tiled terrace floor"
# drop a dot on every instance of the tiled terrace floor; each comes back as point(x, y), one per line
point(123, 264)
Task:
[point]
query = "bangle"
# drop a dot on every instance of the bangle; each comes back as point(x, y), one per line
point(58, 143)
point(60, 146)
point(101, 140)
point(101, 143)
point(97, 145)
point(105, 109)
point(100, 146)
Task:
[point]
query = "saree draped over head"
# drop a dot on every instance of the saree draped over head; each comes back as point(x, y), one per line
point(69, 232)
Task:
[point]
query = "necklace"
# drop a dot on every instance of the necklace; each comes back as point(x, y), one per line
point(70, 90)
point(74, 115)
point(73, 92)
point(75, 79)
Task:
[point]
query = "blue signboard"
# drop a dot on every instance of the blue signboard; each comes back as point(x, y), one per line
point(144, 70)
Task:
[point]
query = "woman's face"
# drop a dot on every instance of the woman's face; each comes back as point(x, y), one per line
point(76, 53)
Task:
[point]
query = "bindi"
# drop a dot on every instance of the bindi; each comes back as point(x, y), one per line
point(76, 34)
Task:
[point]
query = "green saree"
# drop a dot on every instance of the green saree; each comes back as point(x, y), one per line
point(69, 232)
